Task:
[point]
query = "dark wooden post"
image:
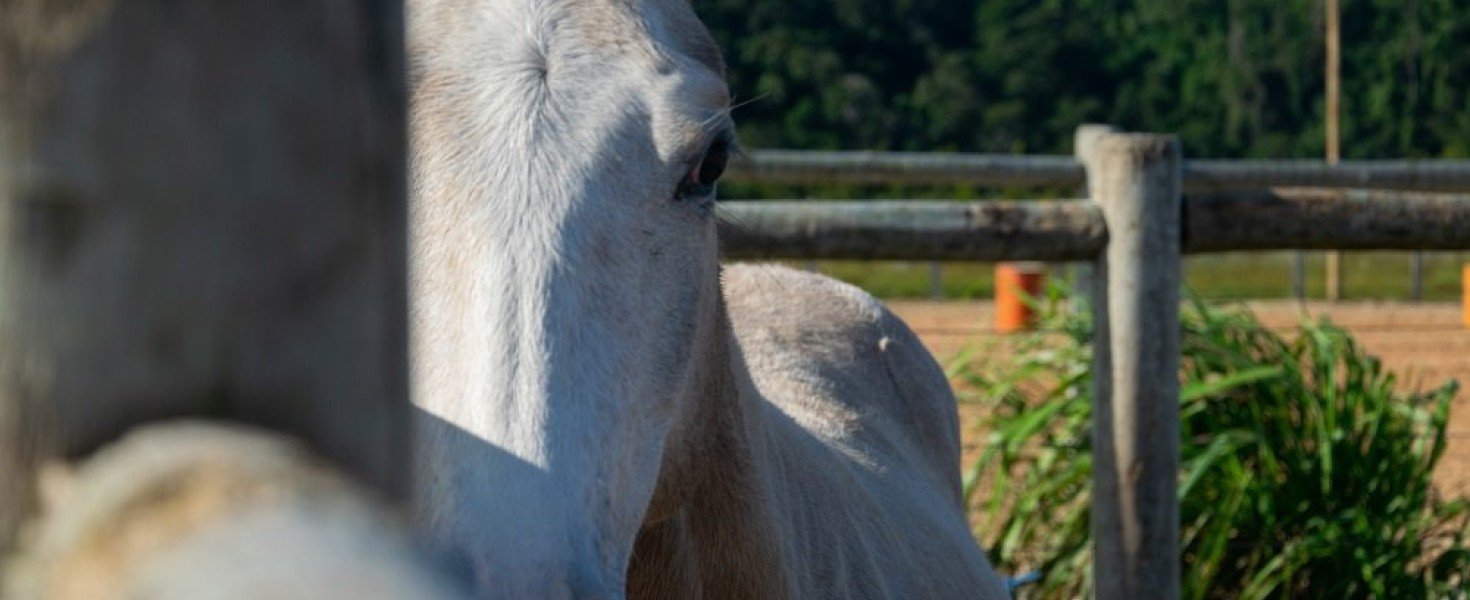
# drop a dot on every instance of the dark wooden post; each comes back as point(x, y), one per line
point(1136, 181)
point(201, 215)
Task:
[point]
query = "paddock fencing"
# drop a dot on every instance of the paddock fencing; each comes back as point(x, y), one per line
point(1203, 178)
point(1144, 208)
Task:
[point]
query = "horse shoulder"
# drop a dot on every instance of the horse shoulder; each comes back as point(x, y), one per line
point(844, 367)
point(867, 435)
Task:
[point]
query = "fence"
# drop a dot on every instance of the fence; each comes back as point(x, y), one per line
point(1201, 177)
point(1147, 208)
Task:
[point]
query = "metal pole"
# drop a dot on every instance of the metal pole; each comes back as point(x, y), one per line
point(1299, 275)
point(1136, 181)
point(936, 280)
point(1416, 275)
point(1334, 94)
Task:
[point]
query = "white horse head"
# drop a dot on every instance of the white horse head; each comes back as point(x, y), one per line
point(565, 275)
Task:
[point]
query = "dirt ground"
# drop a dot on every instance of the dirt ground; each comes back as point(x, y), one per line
point(1424, 343)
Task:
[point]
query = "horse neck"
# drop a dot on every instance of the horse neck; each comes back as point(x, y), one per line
point(722, 540)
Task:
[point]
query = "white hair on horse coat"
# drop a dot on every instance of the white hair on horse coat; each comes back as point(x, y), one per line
point(590, 424)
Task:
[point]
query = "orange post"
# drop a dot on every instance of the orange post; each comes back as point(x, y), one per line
point(1465, 295)
point(1014, 282)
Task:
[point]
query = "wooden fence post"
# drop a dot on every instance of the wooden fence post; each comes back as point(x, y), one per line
point(1136, 181)
point(201, 214)
point(1084, 138)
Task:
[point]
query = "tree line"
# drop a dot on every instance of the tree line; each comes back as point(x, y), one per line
point(1234, 78)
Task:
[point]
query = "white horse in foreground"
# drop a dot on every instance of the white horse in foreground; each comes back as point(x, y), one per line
point(596, 418)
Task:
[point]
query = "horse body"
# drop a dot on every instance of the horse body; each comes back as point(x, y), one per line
point(861, 442)
point(839, 450)
point(598, 416)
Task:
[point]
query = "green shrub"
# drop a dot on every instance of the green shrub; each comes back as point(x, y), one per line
point(1306, 469)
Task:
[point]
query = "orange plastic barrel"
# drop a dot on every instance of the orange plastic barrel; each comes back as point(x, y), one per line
point(1014, 283)
point(1465, 295)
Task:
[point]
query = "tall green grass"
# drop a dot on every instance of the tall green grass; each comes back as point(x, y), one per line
point(1306, 469)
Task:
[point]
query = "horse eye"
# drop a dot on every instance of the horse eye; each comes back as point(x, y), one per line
point(713, 165)
point(700, 181)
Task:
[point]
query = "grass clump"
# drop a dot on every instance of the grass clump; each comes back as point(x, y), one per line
point(1306, 470)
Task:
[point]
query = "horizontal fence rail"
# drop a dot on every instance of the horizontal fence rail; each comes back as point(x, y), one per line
point(903, 230)
point(1406, 175)
point(1003, 170)
point(1288, 219)
point(878, 168)
point(1313, 219)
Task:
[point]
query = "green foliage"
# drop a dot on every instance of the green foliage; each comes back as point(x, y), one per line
point(1306, 469)
point(1234, 78)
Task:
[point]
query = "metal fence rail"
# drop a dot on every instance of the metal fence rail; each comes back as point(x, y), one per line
point(999, 170)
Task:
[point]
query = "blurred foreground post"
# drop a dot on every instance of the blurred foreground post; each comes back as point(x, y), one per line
point(201, 214)
point(202, 511)
point(1136, 181)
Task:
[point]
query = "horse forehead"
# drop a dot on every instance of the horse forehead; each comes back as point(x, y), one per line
point(649, 29)
point(466, 34)
point(551, 64)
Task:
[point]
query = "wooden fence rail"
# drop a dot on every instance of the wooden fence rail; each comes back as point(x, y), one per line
point(902, 230)
point(1071, 230)
point(998, 170)
point(1317, 219)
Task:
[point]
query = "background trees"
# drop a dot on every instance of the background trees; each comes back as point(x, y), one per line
point(1235, 78)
